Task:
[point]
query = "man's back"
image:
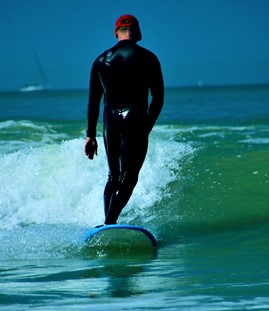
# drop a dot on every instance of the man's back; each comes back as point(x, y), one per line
point(127, 72)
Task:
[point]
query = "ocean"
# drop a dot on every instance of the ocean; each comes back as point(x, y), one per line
point(203, 192)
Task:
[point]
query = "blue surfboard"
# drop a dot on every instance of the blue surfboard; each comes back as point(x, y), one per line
point(119, 237)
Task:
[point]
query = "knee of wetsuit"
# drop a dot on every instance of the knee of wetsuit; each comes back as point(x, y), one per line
point(113, 178)
point(128, 178)
point(111, 185)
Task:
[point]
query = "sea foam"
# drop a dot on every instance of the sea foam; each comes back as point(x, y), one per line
point(57, 184)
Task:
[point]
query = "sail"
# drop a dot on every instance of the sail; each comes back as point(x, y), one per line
point(41, 83)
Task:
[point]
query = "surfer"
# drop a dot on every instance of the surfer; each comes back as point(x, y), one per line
point(124, 75)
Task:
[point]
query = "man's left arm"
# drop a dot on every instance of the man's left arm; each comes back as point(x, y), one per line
point(157, 94)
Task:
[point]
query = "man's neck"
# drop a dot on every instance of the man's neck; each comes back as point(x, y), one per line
point(124, 37)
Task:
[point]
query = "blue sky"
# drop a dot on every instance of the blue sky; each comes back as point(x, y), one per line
point(213, 41)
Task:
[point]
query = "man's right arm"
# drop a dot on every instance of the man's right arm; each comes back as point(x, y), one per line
point(95, 95)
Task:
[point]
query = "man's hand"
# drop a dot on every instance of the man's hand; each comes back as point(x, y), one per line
point(90, 147)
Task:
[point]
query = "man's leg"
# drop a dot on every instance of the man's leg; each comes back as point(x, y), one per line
point(120, 197)
point(111, 186)
point(133, 153)
point(112, 146)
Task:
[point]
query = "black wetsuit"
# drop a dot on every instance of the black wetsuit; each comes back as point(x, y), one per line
point(124, 75)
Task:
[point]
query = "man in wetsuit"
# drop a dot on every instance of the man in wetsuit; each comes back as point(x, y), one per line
point(124, 75)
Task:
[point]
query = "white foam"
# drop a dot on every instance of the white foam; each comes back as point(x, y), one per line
point(57, 184)
point(23, 133)
point(256, 141)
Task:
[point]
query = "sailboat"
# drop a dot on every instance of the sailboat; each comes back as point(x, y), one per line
point(32, 88)
point(42, 81)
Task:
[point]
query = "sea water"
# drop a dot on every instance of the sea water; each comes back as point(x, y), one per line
point(203, 192)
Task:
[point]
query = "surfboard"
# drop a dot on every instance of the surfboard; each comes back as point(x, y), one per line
point(121, 238)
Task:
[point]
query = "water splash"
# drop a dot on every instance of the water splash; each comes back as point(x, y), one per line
point(57, 184)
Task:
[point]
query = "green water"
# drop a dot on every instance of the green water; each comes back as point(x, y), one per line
point(203, 193)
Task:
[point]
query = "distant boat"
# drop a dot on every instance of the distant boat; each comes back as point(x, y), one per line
point(200, 83)
point(32, 88)
point(42, 81)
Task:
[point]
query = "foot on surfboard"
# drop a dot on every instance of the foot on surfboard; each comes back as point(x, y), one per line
point(100, 226)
